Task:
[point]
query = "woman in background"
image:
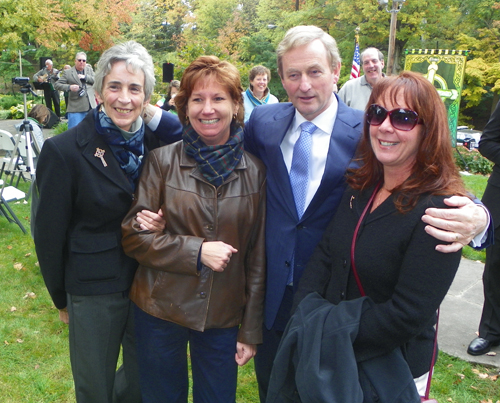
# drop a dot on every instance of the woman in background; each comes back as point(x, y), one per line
point(258, 93)
point(173, 89)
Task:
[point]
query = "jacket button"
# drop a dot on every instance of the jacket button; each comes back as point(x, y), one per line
point(219, 194)
point(342, 295)
point(345, 263)
point(300, 226)
point(287, 263)
point(203, 295)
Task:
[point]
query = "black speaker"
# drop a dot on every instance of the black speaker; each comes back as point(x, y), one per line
point(53, 120)
point(43, 60)
point(168, 72)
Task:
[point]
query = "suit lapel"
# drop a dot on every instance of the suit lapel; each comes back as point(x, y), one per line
point(278, 129)
point(343, 143)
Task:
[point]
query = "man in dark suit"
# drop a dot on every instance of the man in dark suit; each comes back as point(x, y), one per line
point(489, 326)
point(309, 67)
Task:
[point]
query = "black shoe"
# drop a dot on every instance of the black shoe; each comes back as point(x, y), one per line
point(480, 346)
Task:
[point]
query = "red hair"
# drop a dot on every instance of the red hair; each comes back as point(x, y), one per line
point(434, 171)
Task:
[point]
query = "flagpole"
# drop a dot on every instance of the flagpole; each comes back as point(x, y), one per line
point(355, 69)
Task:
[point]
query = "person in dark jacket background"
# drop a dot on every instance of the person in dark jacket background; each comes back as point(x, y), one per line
point(489, 326)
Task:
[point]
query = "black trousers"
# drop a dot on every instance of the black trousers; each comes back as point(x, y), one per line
point(489, 327)
point(52, 96)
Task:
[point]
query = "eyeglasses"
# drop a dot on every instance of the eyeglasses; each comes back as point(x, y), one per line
point(81, 60)
point(400, 118)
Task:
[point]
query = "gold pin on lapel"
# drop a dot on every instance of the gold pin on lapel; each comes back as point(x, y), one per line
point(99, 153)
point(350, 201)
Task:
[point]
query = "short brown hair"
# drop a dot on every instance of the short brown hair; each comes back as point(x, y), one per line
point(434, 171)
point(259, 71)
point(224, 74)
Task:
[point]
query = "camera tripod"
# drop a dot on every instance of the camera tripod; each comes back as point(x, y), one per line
point(13, 164)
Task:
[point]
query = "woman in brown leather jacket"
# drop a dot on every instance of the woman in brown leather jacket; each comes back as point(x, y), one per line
point(202, 280)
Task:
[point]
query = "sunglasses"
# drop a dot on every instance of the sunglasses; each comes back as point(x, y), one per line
point(81, 60)
point(400, 118)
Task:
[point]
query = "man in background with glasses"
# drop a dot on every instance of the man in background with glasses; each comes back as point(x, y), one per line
point(78, 81)
point(355, 93)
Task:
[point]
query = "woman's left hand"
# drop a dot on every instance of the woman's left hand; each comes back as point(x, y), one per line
point(244, 352)
point(150, 221)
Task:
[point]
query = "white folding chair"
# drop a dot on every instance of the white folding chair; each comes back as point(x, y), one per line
point(10, 194)
point(6, 148)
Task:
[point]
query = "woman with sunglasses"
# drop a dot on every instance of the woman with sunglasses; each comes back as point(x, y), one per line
point(405, 166)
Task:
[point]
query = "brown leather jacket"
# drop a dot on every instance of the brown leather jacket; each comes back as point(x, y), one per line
point(168, 283)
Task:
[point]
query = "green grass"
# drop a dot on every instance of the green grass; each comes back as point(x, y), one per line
point(34, 357)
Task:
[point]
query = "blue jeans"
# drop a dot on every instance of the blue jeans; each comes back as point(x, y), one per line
point(163, 368)
point(75, 117)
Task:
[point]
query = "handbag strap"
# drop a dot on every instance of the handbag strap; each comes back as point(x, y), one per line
point(355, 237)
point(362, 291)
point(434, 352)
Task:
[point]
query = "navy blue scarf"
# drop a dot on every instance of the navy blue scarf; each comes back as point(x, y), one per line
point(215, 162)
point(128, 153)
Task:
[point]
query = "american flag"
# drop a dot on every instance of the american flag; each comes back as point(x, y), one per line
point(355, 63)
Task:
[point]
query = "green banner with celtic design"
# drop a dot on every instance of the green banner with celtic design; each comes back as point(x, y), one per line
point(445, 69)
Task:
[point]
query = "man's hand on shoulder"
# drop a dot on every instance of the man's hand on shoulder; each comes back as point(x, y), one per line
point(457, 225)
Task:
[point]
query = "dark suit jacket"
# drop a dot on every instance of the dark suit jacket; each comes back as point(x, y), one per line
point(288, 237)
point(489, 147)
point(82, 204)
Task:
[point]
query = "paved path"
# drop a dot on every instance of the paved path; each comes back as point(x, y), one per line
point(460, 314)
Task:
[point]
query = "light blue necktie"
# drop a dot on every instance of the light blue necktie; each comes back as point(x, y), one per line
point(299, 172)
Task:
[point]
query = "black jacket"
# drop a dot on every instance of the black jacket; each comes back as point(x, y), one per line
point(81, 207)
point(399, 268)
point(316, 360)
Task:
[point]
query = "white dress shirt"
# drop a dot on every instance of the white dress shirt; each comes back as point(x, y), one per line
point(320, 145)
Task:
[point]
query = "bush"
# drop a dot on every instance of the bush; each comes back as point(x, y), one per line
point(472, 161)
point(7, 101)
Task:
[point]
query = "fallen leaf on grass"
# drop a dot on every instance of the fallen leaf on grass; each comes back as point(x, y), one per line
point(493, 377)
point(18, 266)
point(37, 264)
point(491, 353)
point(9, 246)
point(37, 366)
point(461, 376)
point(27, 254)
point(20, 340)
point(13, 309)
point(30, 295)
point(6, 342)
point(473, 387)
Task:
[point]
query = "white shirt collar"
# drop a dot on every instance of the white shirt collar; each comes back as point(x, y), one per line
point(323, 121)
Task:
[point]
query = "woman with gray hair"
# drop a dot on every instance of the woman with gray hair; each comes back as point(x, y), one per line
point(86, 179)
point(257, 92)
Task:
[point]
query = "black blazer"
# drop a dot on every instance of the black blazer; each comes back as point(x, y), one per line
point(82, 203)
point(399, 268)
